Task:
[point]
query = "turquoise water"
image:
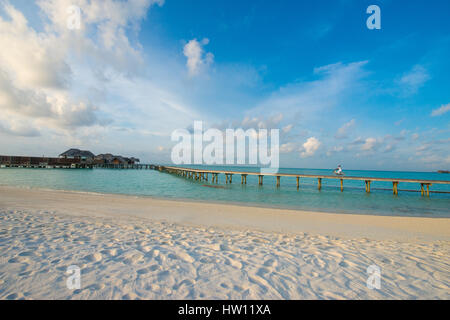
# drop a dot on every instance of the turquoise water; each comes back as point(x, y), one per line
point(329, 199)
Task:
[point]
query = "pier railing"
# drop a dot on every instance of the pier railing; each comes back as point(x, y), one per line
point(203, 175)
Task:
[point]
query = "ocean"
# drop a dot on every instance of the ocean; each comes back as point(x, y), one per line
point(152, 183)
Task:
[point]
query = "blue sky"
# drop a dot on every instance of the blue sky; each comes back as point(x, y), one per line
point(137, 70)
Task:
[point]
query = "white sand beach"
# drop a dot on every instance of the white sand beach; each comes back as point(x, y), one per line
point(143, 248)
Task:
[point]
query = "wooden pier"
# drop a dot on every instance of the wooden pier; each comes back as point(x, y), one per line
point(80, 166)
point(202, 175)
point(126, 166)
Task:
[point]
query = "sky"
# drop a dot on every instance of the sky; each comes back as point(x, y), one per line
point(135, 71)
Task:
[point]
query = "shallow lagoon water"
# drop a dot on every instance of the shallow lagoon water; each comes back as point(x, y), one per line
point(329, 199)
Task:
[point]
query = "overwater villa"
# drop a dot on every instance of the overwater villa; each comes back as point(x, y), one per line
point(72, 158)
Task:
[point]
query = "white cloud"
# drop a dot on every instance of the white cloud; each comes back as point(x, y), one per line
point(433, 159)
point(38, 85)
point(271, 122)
point(370, 144)
point(385, 144)
point(357, 141)
point(288, 128)
point(310, 147)
point(440, 111)
point(17, 128)
point(310, 97)
point(32, 59)
point(34, 76)
point(423, 147)
point(389, 148)
point(414, 79)
point(343, 131)
point(287, 147)
point(437, 146)
point(197, 59)
point(256, 122)
point(334, 150)
point(103, 36)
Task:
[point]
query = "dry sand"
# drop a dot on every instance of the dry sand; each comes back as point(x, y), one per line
point(130, 247)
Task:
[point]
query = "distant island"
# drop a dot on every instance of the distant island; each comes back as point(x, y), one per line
point(443, 171)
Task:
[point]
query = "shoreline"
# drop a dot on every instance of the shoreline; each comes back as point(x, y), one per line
point(198, 213)
point(236, 203)
point(140, 248)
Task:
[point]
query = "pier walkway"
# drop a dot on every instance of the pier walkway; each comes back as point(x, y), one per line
point(203, 175)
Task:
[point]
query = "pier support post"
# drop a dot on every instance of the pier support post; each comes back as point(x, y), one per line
point(231, 178)
point(243, 179)
point(260, 180)
point(319, 183)
point(342, 185)
point(278, 181)
point(298, 183)
point(422, 191)
point(428, 189)
point(395, 187)
point(368, 186)
point(226, 178)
